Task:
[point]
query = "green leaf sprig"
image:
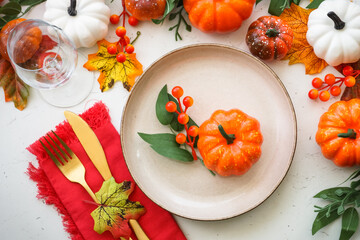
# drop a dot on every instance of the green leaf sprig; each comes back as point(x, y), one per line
point(170, 6)
point(276, 7)
point(343, 203)
point(13, 10)
point(165, 143)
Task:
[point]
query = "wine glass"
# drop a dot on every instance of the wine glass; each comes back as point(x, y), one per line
point(46, 59)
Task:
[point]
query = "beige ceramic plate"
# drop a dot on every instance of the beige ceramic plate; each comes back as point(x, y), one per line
point(217, 77)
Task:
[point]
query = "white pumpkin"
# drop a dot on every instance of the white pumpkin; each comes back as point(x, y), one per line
point(334, 31)
point(86, 25)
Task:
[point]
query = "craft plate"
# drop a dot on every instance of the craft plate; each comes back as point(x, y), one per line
point(217, 77)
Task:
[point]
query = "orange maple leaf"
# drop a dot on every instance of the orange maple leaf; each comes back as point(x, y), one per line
point(301, 51)
point(111, 70)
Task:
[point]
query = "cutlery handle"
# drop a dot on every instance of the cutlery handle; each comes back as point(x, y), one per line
point(139, 232)
point(88, 189)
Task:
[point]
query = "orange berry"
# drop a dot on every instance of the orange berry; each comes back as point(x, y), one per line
point(324, 96)
point(177, 92)
point(133, 21)
point(180, 138)
point(193, 131)
point(349, 81)
point(329, 79)
point(120, 31)
point(129, 48)
point(335, 90)
point(347, 70)
point(171, 106)
point(183, 118)
point(112, 49)
point(114, 19)
point(121, 57)
point(316, 82)
point(188, 101)
point(313, 94)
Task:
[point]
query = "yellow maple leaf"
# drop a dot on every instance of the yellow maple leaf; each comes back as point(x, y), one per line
point(111, 70)
point(301, 51)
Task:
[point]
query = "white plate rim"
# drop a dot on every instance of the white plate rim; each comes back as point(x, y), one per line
point(240, 51)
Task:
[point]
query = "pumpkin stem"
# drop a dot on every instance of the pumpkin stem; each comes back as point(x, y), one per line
point(229, 137)
point(338, 23)
point(272, 32)
point(72, 8)
point(350, 134)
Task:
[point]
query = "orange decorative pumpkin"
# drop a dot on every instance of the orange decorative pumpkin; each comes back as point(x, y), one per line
point(230, 142)
point(146, 9)
point(27, 46)
point(269, 37)
point(4, 34)
point(220, 16)
point(339, 133)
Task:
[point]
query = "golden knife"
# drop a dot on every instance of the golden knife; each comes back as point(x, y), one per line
point(93, 148)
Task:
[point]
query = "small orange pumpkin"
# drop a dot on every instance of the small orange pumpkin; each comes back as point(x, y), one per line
point(146, 9)
point(4, 34)
point(230, 142)
point(339, 133)
point(27, 45)
point(220, 16)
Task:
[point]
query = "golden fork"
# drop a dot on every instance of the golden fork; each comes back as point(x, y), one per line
point(68, 163)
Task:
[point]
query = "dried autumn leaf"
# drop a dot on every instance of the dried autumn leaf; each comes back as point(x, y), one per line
point(112, 70)
point(301, 51)
point(115, 208)
point(14, 88)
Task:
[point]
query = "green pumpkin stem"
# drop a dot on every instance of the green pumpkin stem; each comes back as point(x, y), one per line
point(338, 23)
point(229, 137)
point(272, 32)
point(349, 134)
point(72, 8)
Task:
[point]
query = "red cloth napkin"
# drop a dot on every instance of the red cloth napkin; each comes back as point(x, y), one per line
point(68, 197)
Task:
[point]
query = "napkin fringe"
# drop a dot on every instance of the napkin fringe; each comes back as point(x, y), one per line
point(47, 193)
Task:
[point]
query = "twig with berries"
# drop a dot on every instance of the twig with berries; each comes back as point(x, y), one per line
point(183, 118)
point(122, 46)
point(114, 19)
point(332, 85)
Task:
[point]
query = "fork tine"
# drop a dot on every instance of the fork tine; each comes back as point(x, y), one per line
point(64, 157)
point(52, 156)
point(63, 143)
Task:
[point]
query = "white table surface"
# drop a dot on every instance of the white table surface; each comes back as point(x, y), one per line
point(287, 214)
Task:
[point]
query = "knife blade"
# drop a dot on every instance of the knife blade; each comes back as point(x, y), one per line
point(90, 142)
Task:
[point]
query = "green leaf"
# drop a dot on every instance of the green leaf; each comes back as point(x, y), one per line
point(350, 222)
point(170, 5)
point(163, 116)
point(296, 1)
point(11, 8)
point(332, 194)
point(175, 153)
point(162, 139)
point(322, 220)
point(29, 2)
point(115, 209)
point(257, 2)
point(314, 4)
point(355, 184)
point(276, 7)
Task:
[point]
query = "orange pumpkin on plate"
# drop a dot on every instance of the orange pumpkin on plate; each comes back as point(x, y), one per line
point(219, 16)
point(339, 133)
point(230, 142)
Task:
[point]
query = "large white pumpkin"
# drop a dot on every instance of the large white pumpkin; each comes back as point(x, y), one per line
point(334, 31)
point(87, 26)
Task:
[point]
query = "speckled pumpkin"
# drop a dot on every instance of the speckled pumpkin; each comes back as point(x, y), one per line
point(230, 142)
point(269, 38)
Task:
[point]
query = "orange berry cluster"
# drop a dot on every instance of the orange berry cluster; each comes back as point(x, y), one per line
point(332, 85)
point(183, 118)
point(114, 19)
point(123, 45)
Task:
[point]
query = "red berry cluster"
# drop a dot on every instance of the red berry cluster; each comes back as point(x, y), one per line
point(114, 19)
point(331, 84)
point(183, 118)
point(123, 45)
